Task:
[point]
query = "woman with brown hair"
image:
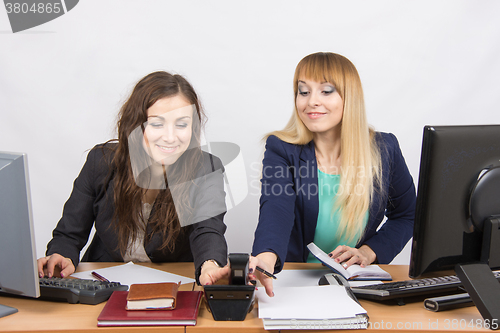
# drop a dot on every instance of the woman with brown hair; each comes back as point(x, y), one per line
point(153, 195)
point(330, 179)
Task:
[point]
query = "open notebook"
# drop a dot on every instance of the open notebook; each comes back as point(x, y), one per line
point(354, 272)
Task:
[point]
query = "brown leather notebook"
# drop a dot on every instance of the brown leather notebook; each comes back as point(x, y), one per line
point(152, 296)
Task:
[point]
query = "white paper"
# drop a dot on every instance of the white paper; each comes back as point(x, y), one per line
point(317, 302)
point(360, 322)
point(299, 277)
point(129, 274)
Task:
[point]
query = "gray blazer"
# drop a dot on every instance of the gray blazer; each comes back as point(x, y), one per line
point(91, 203)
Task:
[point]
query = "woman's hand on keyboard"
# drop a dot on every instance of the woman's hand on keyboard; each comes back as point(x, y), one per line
point(55, 262)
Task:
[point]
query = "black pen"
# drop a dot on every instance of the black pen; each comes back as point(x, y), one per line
point(263, 271)
point(99, 277)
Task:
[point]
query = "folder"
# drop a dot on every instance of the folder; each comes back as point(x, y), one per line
point(184, 314)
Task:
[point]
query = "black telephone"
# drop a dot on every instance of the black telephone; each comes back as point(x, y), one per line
point(232, 302)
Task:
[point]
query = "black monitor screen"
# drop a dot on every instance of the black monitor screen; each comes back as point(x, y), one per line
point(452, 159)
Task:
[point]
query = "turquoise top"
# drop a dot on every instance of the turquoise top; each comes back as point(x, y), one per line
point(328, 220)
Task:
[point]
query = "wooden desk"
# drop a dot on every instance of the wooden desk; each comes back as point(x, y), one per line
point(411, 317)
point(38, 316)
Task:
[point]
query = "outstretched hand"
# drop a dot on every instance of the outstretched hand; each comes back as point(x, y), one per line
point(266, 261)
point(211, 273)
point(49, 265)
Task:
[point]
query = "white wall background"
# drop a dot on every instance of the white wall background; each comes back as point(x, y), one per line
point(62, 83)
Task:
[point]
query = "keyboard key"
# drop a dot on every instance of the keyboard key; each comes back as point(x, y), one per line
point(409, 288)
point(77, 290)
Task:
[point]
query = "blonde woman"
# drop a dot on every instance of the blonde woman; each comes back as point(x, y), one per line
point(329, 178)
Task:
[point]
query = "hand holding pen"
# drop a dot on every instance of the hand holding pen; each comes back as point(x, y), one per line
point(266, 273)
point(258, 267)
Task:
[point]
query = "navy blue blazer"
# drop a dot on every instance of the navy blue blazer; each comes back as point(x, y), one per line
point(289, 202)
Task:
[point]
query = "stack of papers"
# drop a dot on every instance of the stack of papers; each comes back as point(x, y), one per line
point(313, 307)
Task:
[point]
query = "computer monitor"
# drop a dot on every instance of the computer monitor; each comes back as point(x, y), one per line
point(457, 215)
point(18, 268)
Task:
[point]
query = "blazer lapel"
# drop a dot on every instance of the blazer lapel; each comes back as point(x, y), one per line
point(308, 192)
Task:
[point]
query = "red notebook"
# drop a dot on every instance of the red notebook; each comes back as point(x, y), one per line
point(185, 312)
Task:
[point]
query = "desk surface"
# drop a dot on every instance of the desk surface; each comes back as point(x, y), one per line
point(38, 316)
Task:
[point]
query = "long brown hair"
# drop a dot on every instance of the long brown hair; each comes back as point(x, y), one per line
point(128, 195)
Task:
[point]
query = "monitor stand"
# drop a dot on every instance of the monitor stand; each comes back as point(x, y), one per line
point(477, 278)
point(483, 289)
point(6, 310)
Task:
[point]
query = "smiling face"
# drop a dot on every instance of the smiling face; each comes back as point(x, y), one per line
point(319, 106)
point(168, 131)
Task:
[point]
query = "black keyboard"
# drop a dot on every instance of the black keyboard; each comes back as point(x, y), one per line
point(410, 288)
point(77, 290)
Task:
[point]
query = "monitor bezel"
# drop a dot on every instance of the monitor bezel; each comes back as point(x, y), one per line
point(19, 273)
point(449, 152)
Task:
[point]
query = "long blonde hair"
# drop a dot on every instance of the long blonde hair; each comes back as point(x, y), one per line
point(360, 172)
